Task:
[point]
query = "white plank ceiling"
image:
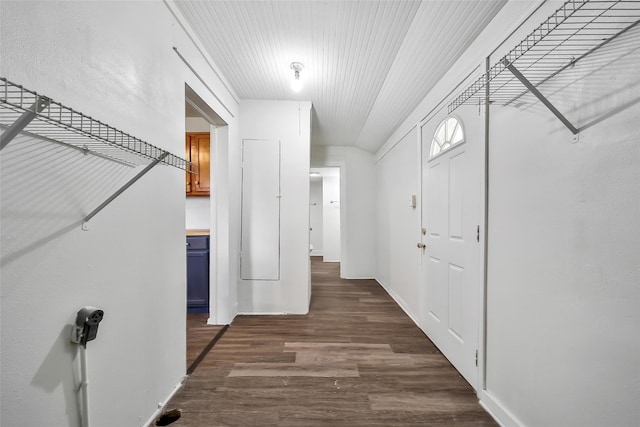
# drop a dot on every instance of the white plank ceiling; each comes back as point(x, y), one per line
point(367, 64)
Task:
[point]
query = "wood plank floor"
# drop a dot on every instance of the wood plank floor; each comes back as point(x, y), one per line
point(199, 335)
point(355, 360)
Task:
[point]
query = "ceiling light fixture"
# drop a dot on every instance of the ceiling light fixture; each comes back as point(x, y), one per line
point(296, 83)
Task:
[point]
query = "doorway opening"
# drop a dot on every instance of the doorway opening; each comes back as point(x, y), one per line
point(205, 134)
point(324, 214)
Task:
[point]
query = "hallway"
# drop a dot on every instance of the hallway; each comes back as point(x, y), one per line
point(355, 360)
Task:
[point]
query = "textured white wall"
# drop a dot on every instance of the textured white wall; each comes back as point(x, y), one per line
point(564, 250)
point(131, 263)
point(290, 123)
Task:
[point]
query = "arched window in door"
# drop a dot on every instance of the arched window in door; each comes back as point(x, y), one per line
point(448, 134)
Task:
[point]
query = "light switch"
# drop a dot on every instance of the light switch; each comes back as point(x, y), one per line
point(413, 202)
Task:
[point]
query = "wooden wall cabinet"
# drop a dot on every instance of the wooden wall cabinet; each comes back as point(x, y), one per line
point(198, 151)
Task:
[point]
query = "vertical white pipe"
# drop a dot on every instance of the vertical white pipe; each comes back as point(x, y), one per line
point(84, 386)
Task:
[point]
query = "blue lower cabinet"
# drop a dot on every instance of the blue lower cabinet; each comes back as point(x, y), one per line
point(197, 274)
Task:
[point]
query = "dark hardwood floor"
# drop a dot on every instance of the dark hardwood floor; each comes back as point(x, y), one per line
point(199, 335)
point(355, 360)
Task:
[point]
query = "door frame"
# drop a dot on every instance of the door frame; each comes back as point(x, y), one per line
point(341, 165)
point(219, 283)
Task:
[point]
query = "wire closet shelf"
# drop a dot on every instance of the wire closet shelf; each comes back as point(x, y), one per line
point(52, 121)
point(575, 30)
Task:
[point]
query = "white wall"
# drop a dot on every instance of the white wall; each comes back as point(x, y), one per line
point(331, 218)
point(196, 124)
point(198, 213)
point(225, 220)
point(562, 296)
point(357, 206)
point(315, 216)
point(290, 123)
point(115, 62)
point(398, 227)
point(564, 250)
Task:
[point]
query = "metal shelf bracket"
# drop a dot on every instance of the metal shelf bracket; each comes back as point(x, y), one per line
point(22, 122)
point(534, 90)
point(122, 189)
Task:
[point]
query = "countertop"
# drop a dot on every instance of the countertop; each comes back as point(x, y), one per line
point(195, 232)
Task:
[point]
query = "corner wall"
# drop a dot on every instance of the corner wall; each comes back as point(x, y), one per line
point(115, 62)
point(290, 123)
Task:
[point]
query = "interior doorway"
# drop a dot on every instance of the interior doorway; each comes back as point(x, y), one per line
point(198, 131)
point(206, 142)
point(324, 214)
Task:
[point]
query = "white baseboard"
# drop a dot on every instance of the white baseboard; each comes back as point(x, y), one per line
point(317, 252)
point(212, 321)
point(399, 301)
point(162, 404)
point(261, 313)
point(497, 410)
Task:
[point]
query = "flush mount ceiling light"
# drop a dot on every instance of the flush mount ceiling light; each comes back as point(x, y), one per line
point(296, 83)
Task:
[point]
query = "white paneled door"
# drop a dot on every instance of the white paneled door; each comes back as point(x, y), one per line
point(451, 274)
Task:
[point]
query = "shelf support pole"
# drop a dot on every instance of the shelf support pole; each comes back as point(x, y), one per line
point(539, 95)
point(22, 121)
point(122, 189)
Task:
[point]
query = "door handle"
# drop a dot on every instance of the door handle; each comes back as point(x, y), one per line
point(421, 245)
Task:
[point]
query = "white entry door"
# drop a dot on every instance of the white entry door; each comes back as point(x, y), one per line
point(451, 274)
